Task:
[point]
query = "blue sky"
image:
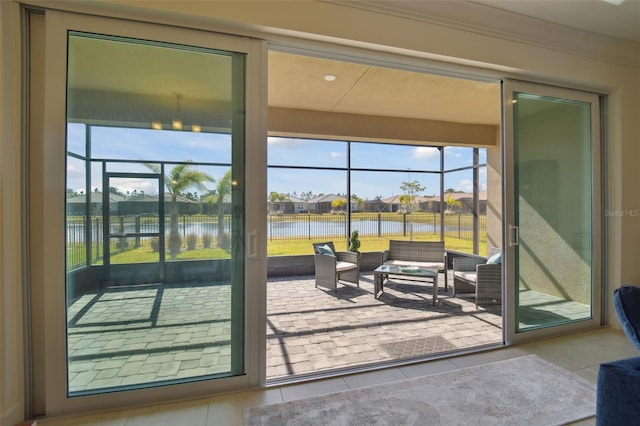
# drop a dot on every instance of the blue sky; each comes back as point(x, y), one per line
point(396, 163)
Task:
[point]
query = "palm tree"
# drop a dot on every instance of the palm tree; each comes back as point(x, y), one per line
point(181, 178)
point(223, 189)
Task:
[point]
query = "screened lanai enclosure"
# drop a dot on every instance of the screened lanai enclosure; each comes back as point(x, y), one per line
point(155, 213)
point(155, 208)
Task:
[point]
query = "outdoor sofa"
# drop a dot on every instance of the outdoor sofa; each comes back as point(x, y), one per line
point(422, 254)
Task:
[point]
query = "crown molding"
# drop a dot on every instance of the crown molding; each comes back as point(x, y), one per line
point(489, 21)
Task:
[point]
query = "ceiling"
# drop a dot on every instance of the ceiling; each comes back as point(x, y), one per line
point(603, 17)
point(595, 16)
point(298, 82)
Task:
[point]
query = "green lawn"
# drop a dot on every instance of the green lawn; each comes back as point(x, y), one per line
point(144, 254)
point(368, 244)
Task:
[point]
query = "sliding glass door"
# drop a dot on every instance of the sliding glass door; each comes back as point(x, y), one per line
point(154, 213)
point(553, 205)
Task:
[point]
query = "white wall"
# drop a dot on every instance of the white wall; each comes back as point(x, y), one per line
point(11, 339)
point(524, 57)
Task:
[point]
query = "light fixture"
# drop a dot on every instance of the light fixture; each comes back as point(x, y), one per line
point(196, 128)
point(176, 123)
point(156, 125)
point(330, 77)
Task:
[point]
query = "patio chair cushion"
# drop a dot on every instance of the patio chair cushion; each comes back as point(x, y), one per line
point(495, 259)
point(325, 249)
point(424, 265)
point(626, 301)
point(344, 266)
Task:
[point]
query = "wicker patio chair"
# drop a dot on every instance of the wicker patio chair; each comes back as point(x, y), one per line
point(475, 275)
point(335, 266)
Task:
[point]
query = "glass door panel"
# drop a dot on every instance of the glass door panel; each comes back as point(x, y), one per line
point(552, 227)
point(156, 136)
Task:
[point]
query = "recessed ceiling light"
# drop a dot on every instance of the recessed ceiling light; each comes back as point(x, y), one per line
point(616, 2)
point(330, 77)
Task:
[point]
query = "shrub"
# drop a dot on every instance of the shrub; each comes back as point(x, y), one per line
point(192, 239)
point(155, 244)
point(354, 242)
point(206, 240)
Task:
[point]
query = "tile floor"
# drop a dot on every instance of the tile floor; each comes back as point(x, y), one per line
point(580, 353)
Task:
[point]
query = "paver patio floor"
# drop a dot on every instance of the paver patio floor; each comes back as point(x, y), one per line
point(312, 329)
point(157, 333)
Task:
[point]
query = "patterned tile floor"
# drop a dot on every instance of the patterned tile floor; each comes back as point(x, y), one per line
point(149, 334)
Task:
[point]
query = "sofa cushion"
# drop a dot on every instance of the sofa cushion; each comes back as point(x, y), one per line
point(424, 265)
point(495, 259)
point(469, 276)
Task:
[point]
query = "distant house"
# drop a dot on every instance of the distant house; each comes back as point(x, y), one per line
point(392, 204)
point(432, 204)
point(323, 204)
point(289, 206)
point(76, 205)
point(149, 204)
point(427, 204)
point(375, 206)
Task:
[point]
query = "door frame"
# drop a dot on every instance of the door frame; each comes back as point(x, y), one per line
point(597, 184)
point(51, 387)
point(106, 223)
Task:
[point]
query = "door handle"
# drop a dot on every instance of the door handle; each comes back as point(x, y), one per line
point(253, 244)
point(514, 235)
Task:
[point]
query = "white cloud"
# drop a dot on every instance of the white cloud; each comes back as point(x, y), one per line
point(454, 151)
point(425, 152)
point(465, 185)
point(279, 141)
point(286, 142)
point(335, 154)
point(73, 172)
point(139, 185)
